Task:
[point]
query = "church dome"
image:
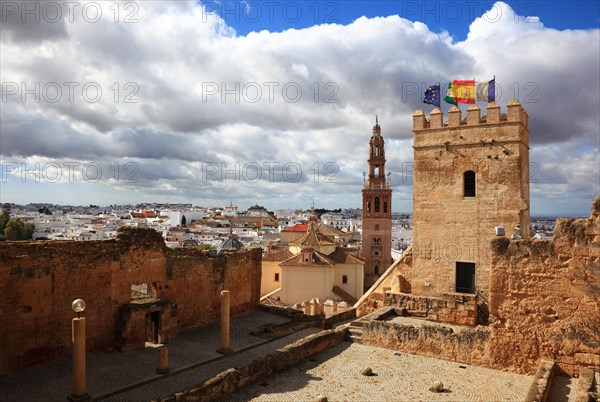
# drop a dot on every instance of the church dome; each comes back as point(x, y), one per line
point(231, 243)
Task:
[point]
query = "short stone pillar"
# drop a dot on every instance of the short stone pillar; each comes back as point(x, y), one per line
point(163, 360)
point(225, 322)
point(79, 369)
point(316, 306)
point(305, 307)
point(343, 305)
point(329, 307)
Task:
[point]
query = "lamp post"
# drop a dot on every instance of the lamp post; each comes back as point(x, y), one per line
point(78, 339)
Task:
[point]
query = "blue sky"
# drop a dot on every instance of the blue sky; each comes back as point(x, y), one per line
point(451, 16)
point(189, 87)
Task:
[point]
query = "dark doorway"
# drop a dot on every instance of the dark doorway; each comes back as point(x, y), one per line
point(465, 277)
point(152, 326)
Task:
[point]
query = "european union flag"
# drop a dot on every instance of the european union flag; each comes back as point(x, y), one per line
point(432, 95)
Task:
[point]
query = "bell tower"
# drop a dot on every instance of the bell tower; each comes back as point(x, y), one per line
point(376, 211)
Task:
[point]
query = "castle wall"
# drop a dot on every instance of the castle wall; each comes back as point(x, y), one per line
point(40, 280)
point(545, 297)
point(450, 227)
point(544, 301)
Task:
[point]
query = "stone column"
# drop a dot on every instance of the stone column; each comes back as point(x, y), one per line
point(78, 338)
point(163, 360)
point(225, 316)
point(314, 308)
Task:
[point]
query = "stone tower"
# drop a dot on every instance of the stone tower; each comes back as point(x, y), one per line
point(376, 212)
point(470, 176)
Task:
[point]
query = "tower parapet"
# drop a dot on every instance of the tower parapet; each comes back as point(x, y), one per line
point(515, 116)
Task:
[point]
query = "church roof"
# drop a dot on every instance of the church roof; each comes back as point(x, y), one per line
point(314, 239)
point(329, 230)
point(300, 227)
point(345, 255)
point(231, 243)
point(317, 259)
point(278, 254)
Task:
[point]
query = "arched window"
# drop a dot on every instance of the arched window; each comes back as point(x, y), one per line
point(376, 150)
point(376, 204)
point(376, 171)
point(469, 184)
point(369, 206)
point(376, 270)
point(385, 207)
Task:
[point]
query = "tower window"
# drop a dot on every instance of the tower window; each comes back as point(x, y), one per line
point(376, 270)
point(376, 204)
point(469, 183)
point(385, 207)
point(345, 279)
point(369, 206)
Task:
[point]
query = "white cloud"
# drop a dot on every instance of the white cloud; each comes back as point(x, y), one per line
point(205, 94)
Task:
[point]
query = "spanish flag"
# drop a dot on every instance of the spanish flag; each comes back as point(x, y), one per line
point(463, 91)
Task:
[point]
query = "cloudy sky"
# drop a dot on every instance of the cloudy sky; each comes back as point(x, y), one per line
point(273, 103)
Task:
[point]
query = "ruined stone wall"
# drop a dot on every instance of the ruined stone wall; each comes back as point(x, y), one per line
point(545, 298)
point(450, 227)
point(234, 379)
point(461, 344)
point(397, 278)
point(39, 281)
point(452, 308)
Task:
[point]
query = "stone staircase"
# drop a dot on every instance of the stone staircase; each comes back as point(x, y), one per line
point(355, 332)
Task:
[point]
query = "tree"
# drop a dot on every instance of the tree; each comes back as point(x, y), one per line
point(183, 220)
point(206, 247)
point(4, 218)
point(17, 230)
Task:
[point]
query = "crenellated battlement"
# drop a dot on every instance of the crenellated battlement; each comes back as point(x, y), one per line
point(515, 113)
point(472, 128)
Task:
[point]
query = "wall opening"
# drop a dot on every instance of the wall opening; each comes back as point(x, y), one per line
point(276, 277)
point(152, 327)
point(469, 185)
point(345, 279)
point(142, 292)
point(376, 204)
point(465, 277)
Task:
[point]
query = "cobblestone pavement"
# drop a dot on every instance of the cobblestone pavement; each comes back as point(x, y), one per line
point(108, 372)
point(336, 374)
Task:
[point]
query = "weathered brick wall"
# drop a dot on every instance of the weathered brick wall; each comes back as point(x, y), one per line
point(39, 281)
point(545, 298)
